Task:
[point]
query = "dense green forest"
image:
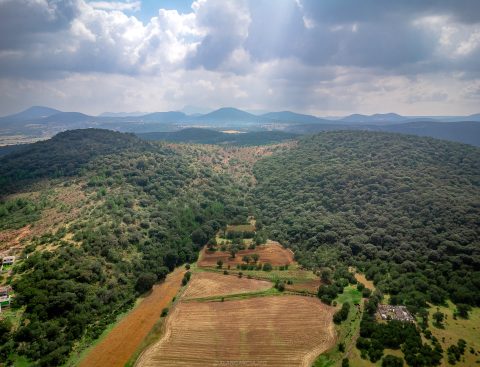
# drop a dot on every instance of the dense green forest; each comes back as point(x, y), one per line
point(403, 209)
point(148, 210)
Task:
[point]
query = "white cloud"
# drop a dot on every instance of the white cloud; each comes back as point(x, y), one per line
point(116, 5)
point(291, 54)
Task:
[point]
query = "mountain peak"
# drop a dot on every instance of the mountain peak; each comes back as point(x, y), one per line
point(34, 112)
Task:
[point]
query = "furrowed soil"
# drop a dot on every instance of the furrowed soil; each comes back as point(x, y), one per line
point(208, 284)
point(309, 286)
point(119, 345)
point(272, 252)
point(262, 331)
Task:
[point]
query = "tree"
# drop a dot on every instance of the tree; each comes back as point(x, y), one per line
point(326, 275)
point(267, 267)
point(463, 309)
point(392, 361)
point(219, 263)
point(199, 237)
point(345, 362)
point(255, 257)
point(164, 312)
point(145, 282)
point(438, 317)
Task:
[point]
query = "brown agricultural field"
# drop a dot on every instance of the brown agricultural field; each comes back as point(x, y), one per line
point(309, 286)
point(272, 252)
point(262, 331)
point(208, 284)
point(124, 339)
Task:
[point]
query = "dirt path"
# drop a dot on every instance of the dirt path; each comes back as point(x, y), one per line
point(119, 345)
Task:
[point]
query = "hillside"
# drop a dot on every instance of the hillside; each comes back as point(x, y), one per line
point(102, 216)
point(96, 217)
point(402, 209)
point(467, 132)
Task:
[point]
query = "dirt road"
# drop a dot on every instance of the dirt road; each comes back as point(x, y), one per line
point(119, 345)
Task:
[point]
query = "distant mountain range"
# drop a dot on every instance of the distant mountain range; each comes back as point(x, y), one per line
point(42, 122)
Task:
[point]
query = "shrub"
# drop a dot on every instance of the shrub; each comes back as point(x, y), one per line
point(267, 267)
point(145, 282)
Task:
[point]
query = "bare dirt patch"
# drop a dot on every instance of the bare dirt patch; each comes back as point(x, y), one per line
point(272, 252)
point(13, 237)
point(213, 284)
point(119, 345)
point(263, 331)
point(362, 279)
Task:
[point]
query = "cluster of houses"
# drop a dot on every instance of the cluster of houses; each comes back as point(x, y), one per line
point(5, 298)
point(390, 312)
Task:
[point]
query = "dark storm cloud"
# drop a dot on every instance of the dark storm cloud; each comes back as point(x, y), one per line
point(22, 20)
point(345, 11)
point(379, 34)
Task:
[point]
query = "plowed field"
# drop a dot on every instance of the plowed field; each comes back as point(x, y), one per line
point(272, 252)
point(213, 284)
point(263, 331)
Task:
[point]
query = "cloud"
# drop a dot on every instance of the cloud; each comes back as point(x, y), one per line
point(115, 5)
point(225, 28)
point(333, 56)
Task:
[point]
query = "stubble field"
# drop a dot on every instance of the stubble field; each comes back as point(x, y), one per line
point(262, 331)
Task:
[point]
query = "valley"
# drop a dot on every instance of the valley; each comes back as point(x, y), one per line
point(289, 249)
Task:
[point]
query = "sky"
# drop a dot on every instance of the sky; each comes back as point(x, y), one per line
point(323, 57)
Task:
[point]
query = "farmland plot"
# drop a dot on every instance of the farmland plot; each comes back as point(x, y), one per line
point(272, 252)
point(263, 331)
point(212, 284)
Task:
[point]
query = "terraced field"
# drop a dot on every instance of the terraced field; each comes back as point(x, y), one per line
point(206, 284)
point(272, 252)
point(263, 331)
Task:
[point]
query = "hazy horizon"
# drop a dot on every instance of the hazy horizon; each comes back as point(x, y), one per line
point(188, 112)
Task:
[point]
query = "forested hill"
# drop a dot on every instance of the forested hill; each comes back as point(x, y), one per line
point(110, 216)
point(403, 209)
point(63, 155)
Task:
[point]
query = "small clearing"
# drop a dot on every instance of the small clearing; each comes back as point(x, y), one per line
point(264, 331)
point(208, 284)
point(308, 286)
point(362, 279)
